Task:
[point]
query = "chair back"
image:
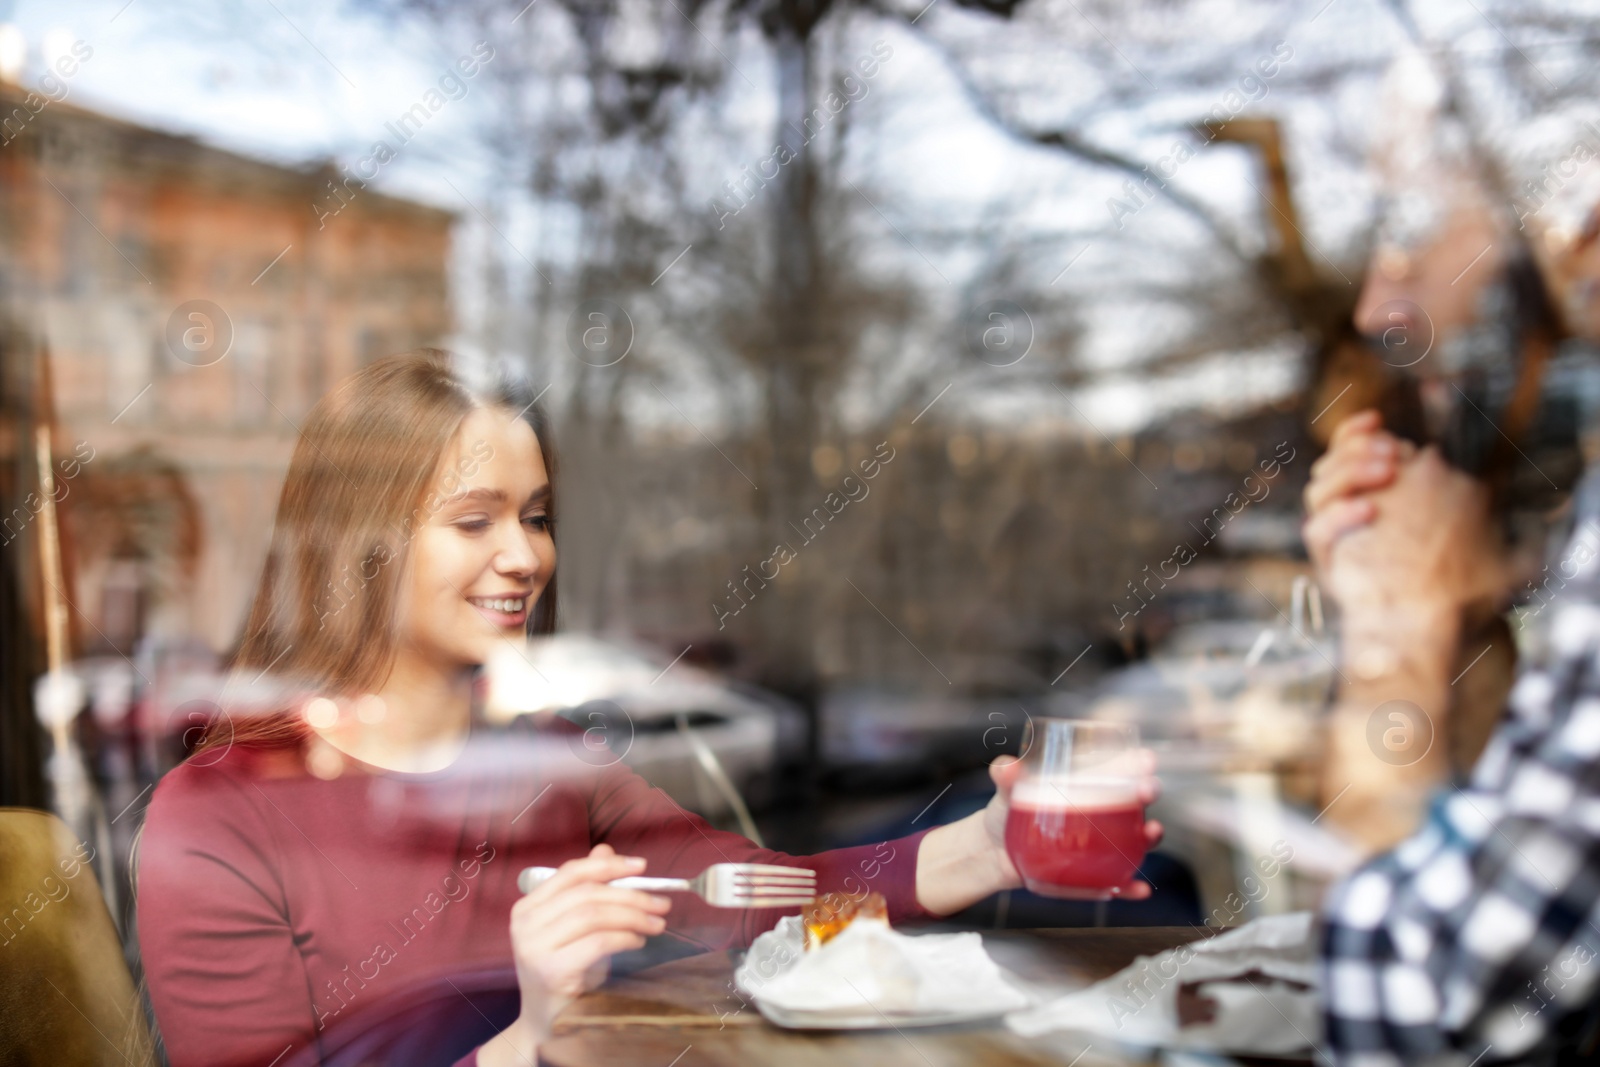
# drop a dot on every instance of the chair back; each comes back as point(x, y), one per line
point(66, 995)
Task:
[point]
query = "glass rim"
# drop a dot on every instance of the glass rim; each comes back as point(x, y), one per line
point(1093, 724)
point(1084, 729)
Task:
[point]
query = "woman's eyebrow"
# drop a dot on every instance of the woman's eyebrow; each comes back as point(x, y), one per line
point(495, 495)
point(540, 495)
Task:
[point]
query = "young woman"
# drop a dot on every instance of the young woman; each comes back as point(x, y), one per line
point(299, 869)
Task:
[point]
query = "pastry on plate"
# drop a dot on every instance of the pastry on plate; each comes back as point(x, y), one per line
point(828, 915)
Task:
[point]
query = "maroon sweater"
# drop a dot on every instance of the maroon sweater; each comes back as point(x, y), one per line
point(273, 903)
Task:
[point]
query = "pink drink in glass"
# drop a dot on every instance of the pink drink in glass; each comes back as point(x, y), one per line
point(1076, 820)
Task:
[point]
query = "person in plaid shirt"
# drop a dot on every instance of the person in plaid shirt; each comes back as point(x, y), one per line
point(1471, 933)
point(1476, 938)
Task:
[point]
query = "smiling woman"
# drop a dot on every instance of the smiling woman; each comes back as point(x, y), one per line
point(399, 460)
point(306, 871)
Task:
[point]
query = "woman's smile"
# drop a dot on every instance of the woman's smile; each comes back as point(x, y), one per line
point(506, 610)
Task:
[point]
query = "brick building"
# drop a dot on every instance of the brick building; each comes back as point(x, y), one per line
point(135, 257)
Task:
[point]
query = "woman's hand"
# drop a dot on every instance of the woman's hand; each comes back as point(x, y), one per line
point(563, 934)
point(963, 862)
point(1006, 771)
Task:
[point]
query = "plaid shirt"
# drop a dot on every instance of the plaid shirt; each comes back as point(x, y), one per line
point(1478, 939)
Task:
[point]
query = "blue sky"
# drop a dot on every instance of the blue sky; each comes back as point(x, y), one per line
point(286, 80)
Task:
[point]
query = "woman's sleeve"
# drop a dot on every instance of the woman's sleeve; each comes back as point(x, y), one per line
point(637, 819)
point(226, 982)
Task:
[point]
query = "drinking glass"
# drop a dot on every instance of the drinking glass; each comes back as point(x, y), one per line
point(1077, 821)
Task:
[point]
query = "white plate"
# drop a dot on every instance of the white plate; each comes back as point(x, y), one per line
point(865, 1020)
point(778, 951)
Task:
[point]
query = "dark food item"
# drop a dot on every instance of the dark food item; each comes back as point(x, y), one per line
point(830, 913)
point(1197, 1009)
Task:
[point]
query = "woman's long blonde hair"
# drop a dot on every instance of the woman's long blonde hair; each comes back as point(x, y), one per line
point(324, 614)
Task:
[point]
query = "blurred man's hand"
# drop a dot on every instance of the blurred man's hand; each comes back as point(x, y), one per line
point(1361, 458)
point(1430, 549)
point(1398, 533)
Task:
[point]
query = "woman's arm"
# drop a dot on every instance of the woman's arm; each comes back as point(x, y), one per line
point(226, 981)
point(929, 874)
point(637, 819)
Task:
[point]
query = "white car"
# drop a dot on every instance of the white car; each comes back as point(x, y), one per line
point(634, 706)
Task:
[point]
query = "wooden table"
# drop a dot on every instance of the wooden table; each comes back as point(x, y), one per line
point(687, 1014)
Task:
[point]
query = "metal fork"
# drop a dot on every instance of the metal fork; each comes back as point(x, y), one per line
point(724, 885)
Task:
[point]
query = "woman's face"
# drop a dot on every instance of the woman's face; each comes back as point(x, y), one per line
point(483, 551)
